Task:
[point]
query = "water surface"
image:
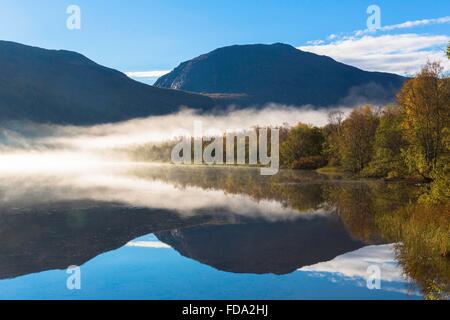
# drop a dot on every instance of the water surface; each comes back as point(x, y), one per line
point(165, 232)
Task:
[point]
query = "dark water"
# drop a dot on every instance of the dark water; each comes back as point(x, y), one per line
point(163, 232)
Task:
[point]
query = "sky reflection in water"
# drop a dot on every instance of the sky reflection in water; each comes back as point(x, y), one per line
point(158, 272)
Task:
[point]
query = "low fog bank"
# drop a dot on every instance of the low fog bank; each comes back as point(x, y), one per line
point(154, 129)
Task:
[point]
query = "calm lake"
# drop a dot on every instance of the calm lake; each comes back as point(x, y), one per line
point(165, 232)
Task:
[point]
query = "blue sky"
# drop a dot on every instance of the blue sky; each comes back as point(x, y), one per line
point(144, 35)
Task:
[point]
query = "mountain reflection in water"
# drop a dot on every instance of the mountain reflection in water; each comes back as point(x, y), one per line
point(260, 247)
point(231, 219)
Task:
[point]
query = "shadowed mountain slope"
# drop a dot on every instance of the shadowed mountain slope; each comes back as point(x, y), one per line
point(66, 87)
point(279, 73)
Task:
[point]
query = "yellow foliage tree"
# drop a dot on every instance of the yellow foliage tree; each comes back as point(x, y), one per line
point(358, 136)
point(425, 101)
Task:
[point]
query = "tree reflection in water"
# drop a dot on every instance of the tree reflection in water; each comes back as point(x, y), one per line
point(78, 222)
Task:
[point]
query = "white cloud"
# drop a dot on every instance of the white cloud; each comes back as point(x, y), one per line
point(147, 74)
point(406, 25)
point(148, 244)
point(401, 53)
point(398, 53)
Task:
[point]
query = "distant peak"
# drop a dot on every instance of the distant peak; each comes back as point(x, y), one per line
point(276, 73)
point(280, 44)
point(257, 45)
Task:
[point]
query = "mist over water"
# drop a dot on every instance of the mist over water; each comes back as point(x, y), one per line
point(48, 163)
point(42, 148)
point(153, 129)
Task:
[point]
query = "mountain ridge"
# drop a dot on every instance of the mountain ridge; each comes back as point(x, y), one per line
point(258, 74)
point(65, 87)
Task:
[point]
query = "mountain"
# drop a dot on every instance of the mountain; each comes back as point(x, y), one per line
point(279, 73)
point(66, 87)
point(58, 86)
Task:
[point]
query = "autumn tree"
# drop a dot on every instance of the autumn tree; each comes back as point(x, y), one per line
point(358, 135)
point(425, 102)
point(302, 148)
point(389, 141)
point(333, 133)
